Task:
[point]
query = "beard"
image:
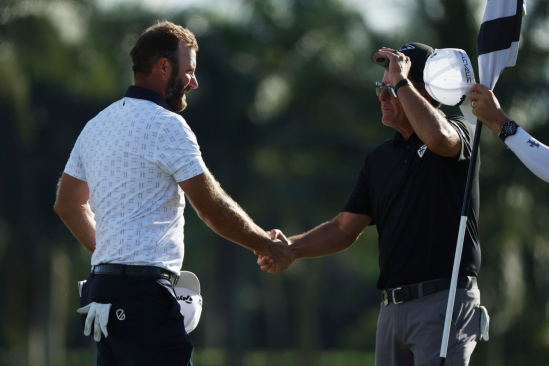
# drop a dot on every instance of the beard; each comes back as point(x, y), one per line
point(175, 94)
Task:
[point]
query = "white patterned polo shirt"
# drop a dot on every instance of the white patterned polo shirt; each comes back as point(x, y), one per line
point(132, 155)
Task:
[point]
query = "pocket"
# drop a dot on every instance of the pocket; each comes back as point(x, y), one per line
point(167, 285)
point(466, 311)
point(168, 290)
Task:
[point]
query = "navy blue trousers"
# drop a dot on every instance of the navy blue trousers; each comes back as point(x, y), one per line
point(145, 324)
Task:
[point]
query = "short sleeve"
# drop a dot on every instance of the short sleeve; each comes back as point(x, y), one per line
point(466, 134)
point(360, 201)
point(177, 150)
point(74, 166)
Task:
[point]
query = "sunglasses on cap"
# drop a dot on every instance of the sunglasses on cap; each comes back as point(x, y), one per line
point(389, 87)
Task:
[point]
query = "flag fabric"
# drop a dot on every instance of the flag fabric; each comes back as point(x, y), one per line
point(498, 39)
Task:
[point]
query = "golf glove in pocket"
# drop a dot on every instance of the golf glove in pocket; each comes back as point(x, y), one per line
point(484, 324)
point(98, 314)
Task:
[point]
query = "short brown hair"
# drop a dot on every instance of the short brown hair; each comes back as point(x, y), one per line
point(160, 40)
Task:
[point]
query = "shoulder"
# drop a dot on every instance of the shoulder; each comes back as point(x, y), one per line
point(464, 128)
point(460, 122)
point(103, 116)
point(175, 122)
point(174, 119)
point(174, 128)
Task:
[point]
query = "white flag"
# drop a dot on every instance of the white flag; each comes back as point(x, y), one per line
point(498, 39)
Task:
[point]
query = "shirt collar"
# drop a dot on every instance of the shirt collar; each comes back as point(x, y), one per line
point(138, 92)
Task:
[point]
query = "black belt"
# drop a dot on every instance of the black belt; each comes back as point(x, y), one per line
point(415, 291)
point(138, 271)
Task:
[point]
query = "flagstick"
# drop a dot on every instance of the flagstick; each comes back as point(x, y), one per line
point(459, 245)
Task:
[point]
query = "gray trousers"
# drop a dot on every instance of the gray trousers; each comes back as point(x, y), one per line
point(410, 333)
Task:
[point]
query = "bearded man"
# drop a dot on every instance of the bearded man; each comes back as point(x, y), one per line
point(122, 196)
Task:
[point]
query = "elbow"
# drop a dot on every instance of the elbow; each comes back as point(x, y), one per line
point(349, 242)
point(210, 221)
point(63, 210)
point(59, 209)
point(211, 218)
point(435, 143)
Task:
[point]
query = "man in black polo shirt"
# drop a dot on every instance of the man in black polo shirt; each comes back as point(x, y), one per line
point(412, 187)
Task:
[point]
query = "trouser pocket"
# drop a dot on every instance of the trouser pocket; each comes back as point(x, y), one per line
point(466, 312)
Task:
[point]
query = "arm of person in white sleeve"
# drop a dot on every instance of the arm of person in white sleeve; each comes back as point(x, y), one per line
point(532, 153)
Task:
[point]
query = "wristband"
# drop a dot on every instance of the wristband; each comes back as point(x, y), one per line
point(402, 83)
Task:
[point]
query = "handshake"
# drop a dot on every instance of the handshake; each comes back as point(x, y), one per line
point(277, 255)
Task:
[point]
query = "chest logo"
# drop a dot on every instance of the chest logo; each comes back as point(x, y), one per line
point(422, 150)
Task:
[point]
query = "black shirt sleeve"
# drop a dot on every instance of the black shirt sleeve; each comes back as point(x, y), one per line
point(466, 133)
point(359, 201)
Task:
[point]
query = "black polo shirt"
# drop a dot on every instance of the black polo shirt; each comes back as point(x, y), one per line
point(415, 197)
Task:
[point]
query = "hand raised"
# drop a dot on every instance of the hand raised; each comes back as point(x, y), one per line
point(399, 64)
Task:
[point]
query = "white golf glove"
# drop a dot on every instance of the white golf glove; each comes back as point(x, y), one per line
point(484, 324)
point(99, 314)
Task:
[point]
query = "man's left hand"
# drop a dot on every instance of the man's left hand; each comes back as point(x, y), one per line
point(486, 108)
point(399, 64)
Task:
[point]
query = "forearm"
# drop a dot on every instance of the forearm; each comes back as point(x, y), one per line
point(228, 219)
point(532, 153)
point(325, 239)
point(222, 214)
point(428, 123)
point(81, 222)
point(232, 223)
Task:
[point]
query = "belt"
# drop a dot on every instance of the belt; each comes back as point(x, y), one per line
point(137, 271)
point(415, 291)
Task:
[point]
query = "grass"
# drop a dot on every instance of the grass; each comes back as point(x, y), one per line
point(221, 357)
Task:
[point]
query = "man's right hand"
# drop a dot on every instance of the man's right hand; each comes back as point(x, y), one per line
point(279, 253)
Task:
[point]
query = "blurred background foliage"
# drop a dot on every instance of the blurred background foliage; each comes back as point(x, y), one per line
point(285, 114)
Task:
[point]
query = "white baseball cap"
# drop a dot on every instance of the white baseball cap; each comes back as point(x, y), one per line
point(188, 295)
point(449, 76)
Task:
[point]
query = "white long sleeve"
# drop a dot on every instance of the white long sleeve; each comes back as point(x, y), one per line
point(531, 152)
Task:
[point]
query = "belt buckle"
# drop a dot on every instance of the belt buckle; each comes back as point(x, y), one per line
point(393, 295)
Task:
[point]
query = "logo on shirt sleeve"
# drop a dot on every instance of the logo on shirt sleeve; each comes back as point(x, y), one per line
point(421, 151)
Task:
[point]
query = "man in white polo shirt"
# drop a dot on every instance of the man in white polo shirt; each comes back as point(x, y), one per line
point(531, 152)
point(121, 195)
